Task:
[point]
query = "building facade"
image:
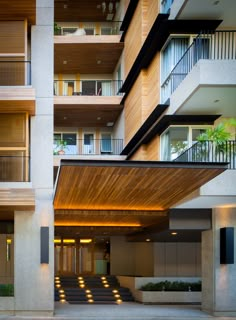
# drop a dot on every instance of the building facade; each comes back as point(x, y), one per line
point(117, 140)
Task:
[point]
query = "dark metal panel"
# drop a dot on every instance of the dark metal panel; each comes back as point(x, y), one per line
point(44, 244)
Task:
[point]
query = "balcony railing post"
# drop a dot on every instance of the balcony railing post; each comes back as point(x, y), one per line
point(218, 45)
point(209, 151)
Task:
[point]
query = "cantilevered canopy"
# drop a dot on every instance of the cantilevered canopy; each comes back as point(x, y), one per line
point(128, 185)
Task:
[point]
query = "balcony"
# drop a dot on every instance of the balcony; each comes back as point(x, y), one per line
point(16, 93)
point(82, 47)
point(87, 87)
point(88, 146)
point(209, 152)
point(204, 79)
point(88, 28)
point(14, 167)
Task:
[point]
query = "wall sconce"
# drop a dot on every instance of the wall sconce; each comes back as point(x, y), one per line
point(44, 244)
point(227, 245)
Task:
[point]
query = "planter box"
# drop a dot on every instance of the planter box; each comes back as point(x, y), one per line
point(7, 305)
point(168, 296)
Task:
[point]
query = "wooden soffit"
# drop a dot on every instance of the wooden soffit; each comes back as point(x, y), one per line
point(128, 185)
point(17, 199)
point(20, 99)
point(87, 54)
point(18, 10)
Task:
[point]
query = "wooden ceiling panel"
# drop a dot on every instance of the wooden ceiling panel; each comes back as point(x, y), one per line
point(78, 115)
point(18, 10)
point(81, 10)
point(72, 58)
point(128, 185)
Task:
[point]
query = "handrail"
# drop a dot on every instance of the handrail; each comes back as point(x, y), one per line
point(87, 146)
point(14, 168)
point(90, 28)
point(218, 45)
point(210, 151)
point(15, 73)
point(87, 87)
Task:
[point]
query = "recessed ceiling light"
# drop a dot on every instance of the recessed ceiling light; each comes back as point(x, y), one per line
point(148, 240)
point(174, 233)
point(110, 124)
point(99, 118)
point(64, 62)
point(99, 61)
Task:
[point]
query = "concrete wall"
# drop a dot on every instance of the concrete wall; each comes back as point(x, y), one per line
point(131, 258)
point(34, 282)
point(218, 280)
point(177, 259)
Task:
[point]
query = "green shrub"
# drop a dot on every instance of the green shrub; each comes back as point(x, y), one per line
point(6, 290)
point(172, 286)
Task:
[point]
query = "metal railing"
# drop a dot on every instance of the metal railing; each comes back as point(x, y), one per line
point(166, 5)
point(209, 151)
point(15, 73)
point(219, 45)
point(14, 168)
point(87, 87)
point(90, 28)
point(88, 147)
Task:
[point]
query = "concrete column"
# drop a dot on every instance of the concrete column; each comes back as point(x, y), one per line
point(218, 280)
point(34, 282)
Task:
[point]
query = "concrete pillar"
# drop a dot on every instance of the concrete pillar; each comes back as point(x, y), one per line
point(218, 280)
point(34, 282)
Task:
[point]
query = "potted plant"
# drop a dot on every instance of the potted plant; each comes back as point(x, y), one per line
point(57, 29)
point(61, 146)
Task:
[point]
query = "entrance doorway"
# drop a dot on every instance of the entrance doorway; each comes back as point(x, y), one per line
point(81, 256)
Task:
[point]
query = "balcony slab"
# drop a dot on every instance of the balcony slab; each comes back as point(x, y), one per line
point(208, 89)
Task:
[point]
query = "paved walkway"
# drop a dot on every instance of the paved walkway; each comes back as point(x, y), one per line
point(125, 311)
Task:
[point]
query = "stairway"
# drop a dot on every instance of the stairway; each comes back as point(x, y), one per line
point(90, 290)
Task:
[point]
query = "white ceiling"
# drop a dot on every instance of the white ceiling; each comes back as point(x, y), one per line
point(210, 9)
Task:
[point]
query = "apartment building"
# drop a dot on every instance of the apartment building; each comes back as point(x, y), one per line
point(102, 104)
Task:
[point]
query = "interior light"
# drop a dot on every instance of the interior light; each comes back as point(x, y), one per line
point(148, 240)
point(85, 240)
point(68, 240)
point(8, 241)
point(174, 233)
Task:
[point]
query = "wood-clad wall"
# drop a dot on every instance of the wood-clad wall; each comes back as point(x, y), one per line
point(133, 109)
point(12, 34)
point(133, 39)
point(148, 152)
point(145, 93)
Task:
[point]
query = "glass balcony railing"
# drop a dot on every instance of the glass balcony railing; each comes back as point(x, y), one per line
point(88, 147)
point(87, 87)
point(15, 73)
point(219, 45)
point(209, 151)
point(88, 29)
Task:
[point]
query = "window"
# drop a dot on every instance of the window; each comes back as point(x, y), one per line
point(88, 145)
point(106, 146)
point(65, 142)
point(106, 30)
point(170, 57)
point(175, 140)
